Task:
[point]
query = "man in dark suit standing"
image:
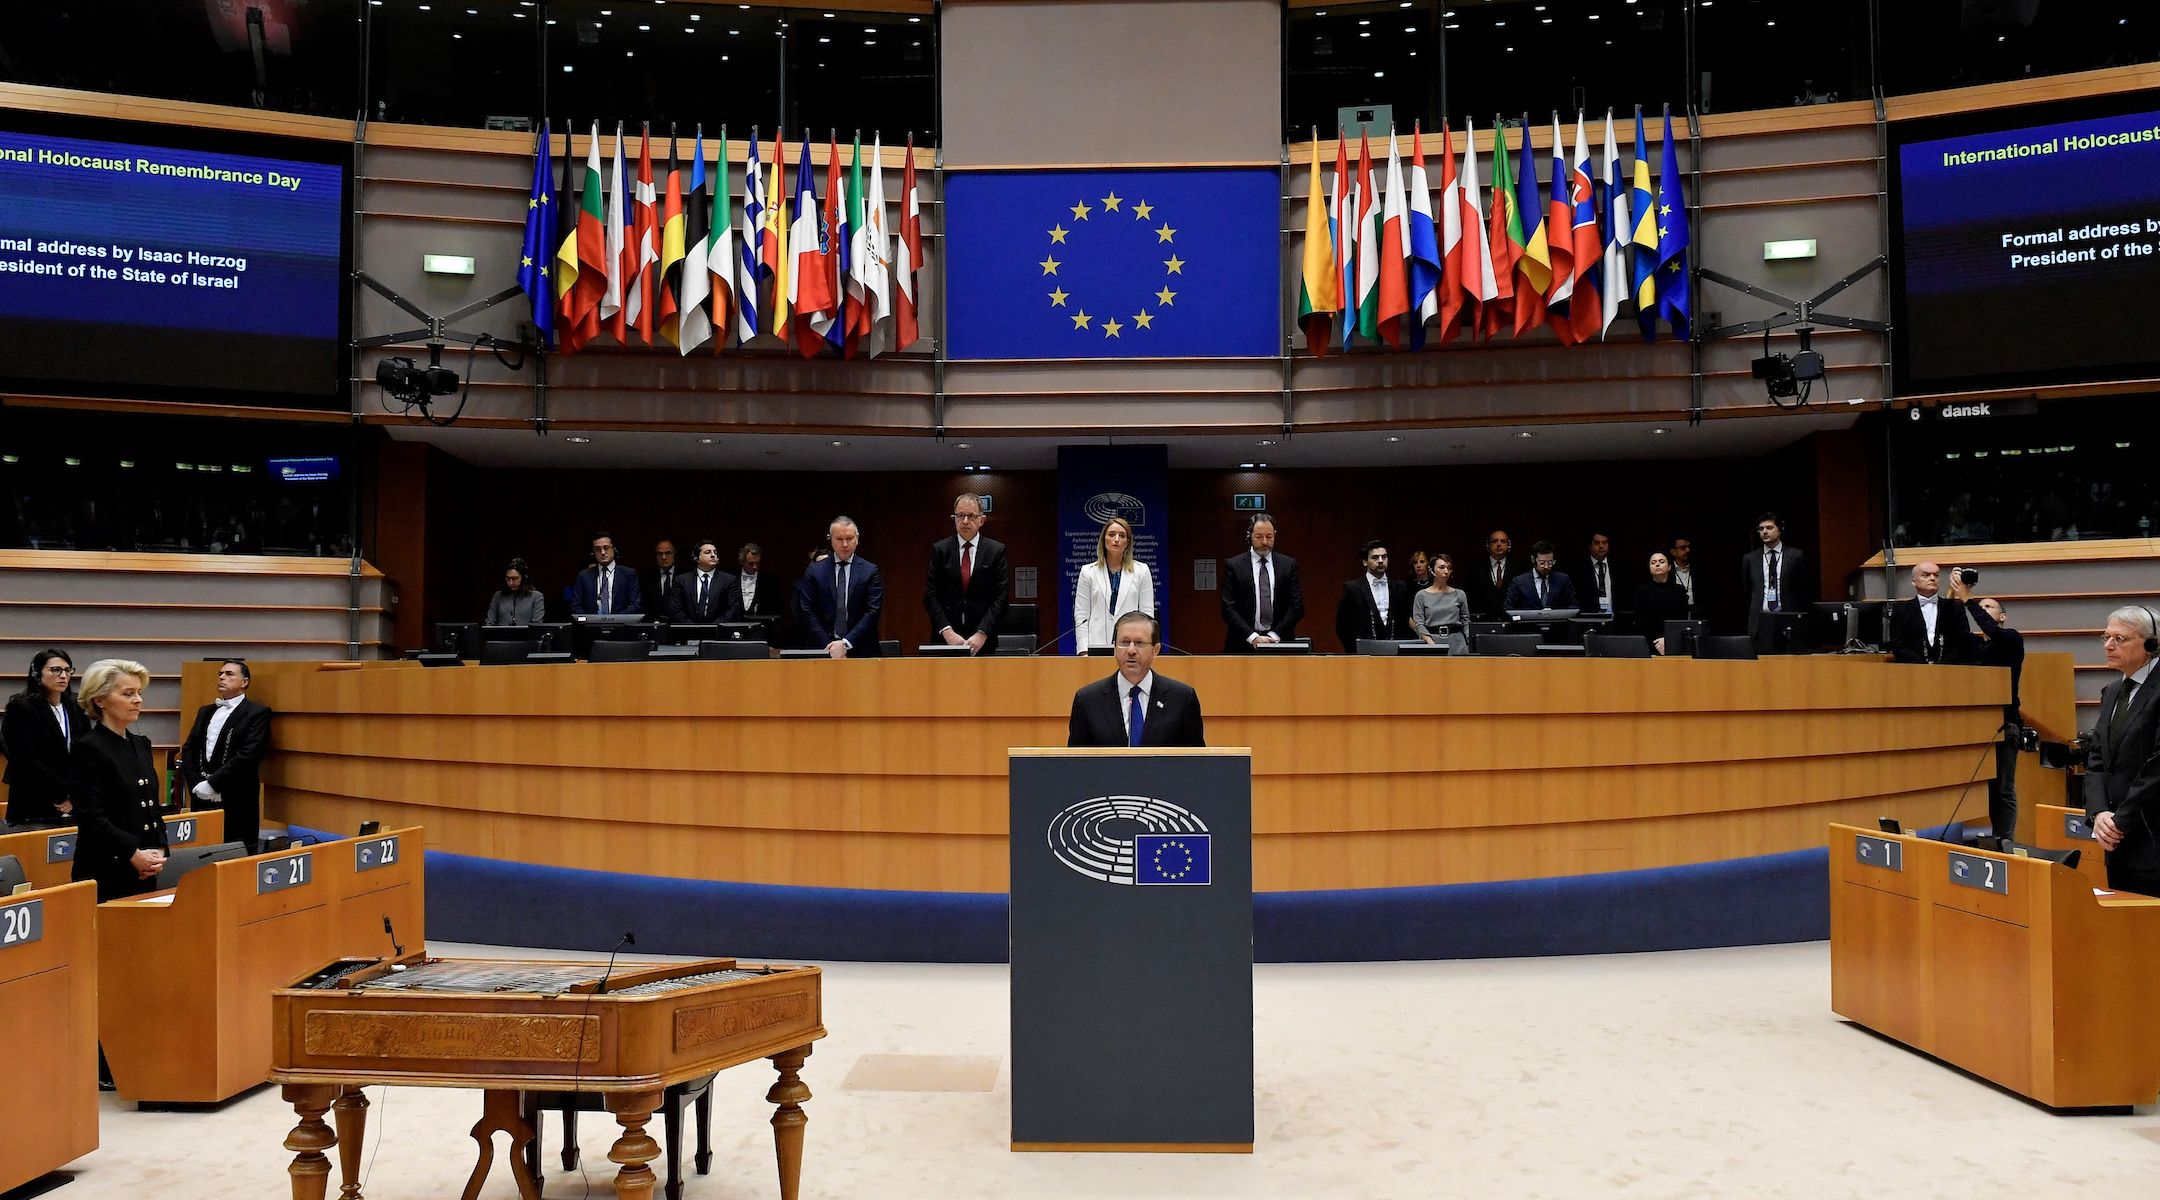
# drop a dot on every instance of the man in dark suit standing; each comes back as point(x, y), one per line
point(1262, 599)
point(1928, 628)
point(607, 588)
point(965, 593)
point(221, 760)
point(1372, 605)
point(1682, 556)
point(1487, 582)
point(1540, 587)
point(660, 585)
point(760, 597)
point(840, 598)
point(1777, 576)
point(1136, 707)
point(2122, 781)
point(1601, 583)
point(705, 594)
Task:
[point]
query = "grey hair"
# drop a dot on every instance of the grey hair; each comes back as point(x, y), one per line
point(975, 496)
point(2137, 617)
point(103, 678)
point(842, 519)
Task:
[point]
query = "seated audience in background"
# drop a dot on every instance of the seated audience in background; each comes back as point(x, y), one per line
point(1135, 706)
point(1601, 582)
point(761, 598)
point(1488, 582)
point(1683, 571)
point(38, 734)
point(221, 760)
point(1658, 601)
point(1998, 645)
point(519, 602)
point(1372, 605)
point(606, 588)
point(1262, 598)
point(1926, 627)
point(965, 592)
point(1540, 587)
point(841, 597)
point(705, 594)
point(1440, 611)
point(660, 582)
point(1114, 584)
point(122, 840)
point(2122, 779)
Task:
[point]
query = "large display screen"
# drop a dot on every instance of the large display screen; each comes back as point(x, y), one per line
point(152, 261)
point(2026, 246)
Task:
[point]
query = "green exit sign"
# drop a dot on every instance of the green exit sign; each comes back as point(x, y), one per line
point(1250, 502)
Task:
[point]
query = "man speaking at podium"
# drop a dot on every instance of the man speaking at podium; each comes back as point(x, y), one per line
point(1136, 707)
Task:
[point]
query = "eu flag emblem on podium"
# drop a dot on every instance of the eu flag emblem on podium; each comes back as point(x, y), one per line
point(1114, 264)
point(1171, 859)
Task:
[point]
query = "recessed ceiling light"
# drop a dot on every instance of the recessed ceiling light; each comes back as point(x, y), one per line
point(1267, 441)
point(707, 441)
point(1660, 429)
point(567, 68)
point(838, 442)
point(1394, 437)
point(577, 441)
point(1245, 466)
point(960, 445)
point(1526, 434)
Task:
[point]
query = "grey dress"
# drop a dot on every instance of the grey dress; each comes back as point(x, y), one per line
point(509, 608)
point(1429, 609)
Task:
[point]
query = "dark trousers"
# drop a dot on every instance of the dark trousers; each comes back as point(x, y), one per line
point(2123, 877)
point(2002, 790)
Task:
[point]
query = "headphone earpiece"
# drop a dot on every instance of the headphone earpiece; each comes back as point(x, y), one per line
point(2152, 644)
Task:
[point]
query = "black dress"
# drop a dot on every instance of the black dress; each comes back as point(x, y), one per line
point(1657, 603)
point(116, 808)
point(38, 775)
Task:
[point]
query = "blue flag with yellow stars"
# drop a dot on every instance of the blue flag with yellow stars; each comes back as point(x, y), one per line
point(539, 248)
point(1113, 264)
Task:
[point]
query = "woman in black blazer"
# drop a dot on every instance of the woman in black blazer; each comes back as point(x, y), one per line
point(1659, 601)
point(122, 841)
point(39, 729)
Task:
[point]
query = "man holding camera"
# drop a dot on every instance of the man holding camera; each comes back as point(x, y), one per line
point(1926, 628)
point(2122, 780)
point(1998, 645)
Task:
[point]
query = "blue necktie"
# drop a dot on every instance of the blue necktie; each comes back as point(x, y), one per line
point(1136, 720)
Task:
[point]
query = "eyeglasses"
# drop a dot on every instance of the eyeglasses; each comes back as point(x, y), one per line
point(1134, 645)
point(57, 669)
point(967, 516)
point(2117, 639)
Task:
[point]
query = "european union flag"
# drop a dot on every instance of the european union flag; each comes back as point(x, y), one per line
point(1114, 264)
point(1175, 859)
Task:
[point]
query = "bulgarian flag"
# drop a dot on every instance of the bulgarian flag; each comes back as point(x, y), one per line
point(1319, 297)
point(907, 256)
point(581, 263)
point(1393, 308)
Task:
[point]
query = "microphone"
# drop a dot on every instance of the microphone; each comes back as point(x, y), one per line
point(398, 950)
point(1055, 642)
point(1951, 823)
point(628, 939)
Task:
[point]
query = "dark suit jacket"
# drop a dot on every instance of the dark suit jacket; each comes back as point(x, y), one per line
point(1486, 601)
point(1584, 577)
point(1906, 631)
point(723, 599)
point(2125, 780)
point(1796, 582)
point(1238, 599)
point(585, 593)
point(866, 601)
point(977, 607)
point(649, 584)
point(1356, 616)
point(1522, 592)
point(1173, 715)
point(772, 597)
point(38, 776)
point(116, 810)
point(234, 770)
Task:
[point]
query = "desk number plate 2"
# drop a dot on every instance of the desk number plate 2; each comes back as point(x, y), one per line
point(1974, 871)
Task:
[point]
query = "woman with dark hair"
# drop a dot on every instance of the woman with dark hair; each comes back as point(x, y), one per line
point(519, 602)
point(1658, 601)
point(37, 733)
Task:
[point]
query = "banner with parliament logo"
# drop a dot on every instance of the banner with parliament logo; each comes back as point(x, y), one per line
point(1114, 264)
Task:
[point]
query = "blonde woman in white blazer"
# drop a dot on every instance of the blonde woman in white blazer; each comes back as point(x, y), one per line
point(1095, 612)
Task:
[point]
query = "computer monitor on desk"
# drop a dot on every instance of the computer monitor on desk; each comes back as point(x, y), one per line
point(1278, 649)
point(743, 631)
point(683, 635)
point(941, 650)
point(1858, 624)
point(1681, 638)
point(1552, 626)
point(461, 638)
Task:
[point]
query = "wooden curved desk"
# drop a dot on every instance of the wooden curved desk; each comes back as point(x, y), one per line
point(890, 774)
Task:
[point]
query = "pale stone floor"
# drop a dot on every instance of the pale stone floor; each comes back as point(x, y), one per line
point(1716, 1073)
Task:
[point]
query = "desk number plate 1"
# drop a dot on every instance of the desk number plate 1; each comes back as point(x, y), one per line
point(21, 924)
point(372, 853)
point(1986, 874)
point(1879, 852)
point(60, 847)
point(278, 874)
point(2076, 827)
point(180, 832)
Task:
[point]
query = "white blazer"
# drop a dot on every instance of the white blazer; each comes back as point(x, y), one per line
point(1093, 618)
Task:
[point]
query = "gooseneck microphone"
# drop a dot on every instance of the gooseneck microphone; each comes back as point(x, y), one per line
point(390, 931)
point(628, 939)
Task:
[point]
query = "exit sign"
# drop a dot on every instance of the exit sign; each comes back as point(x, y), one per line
point(1249, 502)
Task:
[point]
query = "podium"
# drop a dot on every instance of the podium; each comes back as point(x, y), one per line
point(2010, 968)
point(48, 1002)
point(1132, 1009)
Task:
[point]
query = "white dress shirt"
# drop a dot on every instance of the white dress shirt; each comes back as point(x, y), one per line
point(1685, 577)
point(1146, 688)
point(1927, 614)
point(749, 589)
point(1379, 586)
point(67, 732)
point(202, 789)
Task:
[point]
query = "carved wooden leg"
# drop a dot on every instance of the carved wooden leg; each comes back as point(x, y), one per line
point(635, 1147)
point(351, 1112)
point(789, 1091)
point(310, 1169)
point(499, 1111)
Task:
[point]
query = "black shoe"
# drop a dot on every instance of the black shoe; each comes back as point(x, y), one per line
point(106, 1085)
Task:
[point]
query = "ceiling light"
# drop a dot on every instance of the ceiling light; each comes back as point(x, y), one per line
point(1526, 434)
point(129, 464)
point(1245, 466)
point(707, 441)
point(1394, 437)
point(73, 462)
point(1379, 74)
point(577, 441)
point(567, 68)
point(1660, 429)
point(837, 442)
point(960, 446)
point(1267, 441)
point(644, 29)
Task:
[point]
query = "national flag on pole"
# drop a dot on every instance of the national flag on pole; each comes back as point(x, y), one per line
point(674, 247)
point(1533, 266)
point(1503, 236)
point(874, 259)
point(723, 261)
point(619, 263)
point(1426, 256)
point(752, 276)
point(694, 321)
point(858, 253)
point(583, 282)
point(810, 286)
point(907, 257)
point(776, 221)
point(835, 230)
point(1367, 217)
point(1586, 308)
point(1559, 234)
point(638, 303)
point(1342, 226)
point(1473, 254)
point(540, 239)
point(1619, 227)
point(1319, 278)
point(1394, 294)
point(1643, 239)
point(1672, 222)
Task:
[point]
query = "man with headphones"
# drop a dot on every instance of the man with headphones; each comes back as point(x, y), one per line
point(2122, 783)
point(1262, 599)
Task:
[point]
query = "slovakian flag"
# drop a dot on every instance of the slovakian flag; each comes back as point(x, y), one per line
point(539, 244)
point(694, 320)
point(1586, 308)
point(907, 257)
point(811, 295)
point(1643, 241)
point(1318, 275)
point(619, 263)
point(1393, 310)
point(1424, 244)
point(1619, 227)
point(674, 247)
point(1672, 219)
point(1504, 234)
